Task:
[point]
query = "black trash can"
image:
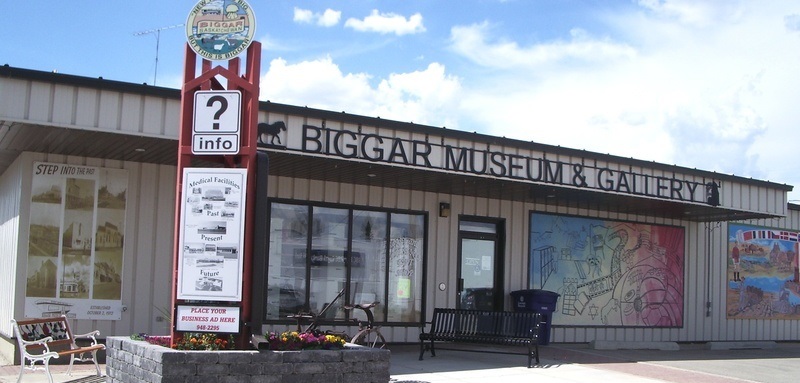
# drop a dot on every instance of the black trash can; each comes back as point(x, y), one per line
point(540, 301)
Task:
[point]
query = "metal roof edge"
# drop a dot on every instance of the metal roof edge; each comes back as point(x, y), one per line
point(503, 141)
point(97, 83)
point(268, 106)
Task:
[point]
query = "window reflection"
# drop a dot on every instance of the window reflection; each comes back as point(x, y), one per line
point(406, 247)
point(328, 259)
point(368, 272)
point(286, 280)
point(361, 251)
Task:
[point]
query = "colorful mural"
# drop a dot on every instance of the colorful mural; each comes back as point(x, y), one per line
point(762, 273)
point(608, 273)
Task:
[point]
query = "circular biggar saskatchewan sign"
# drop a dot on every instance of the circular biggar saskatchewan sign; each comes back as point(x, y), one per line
point(220, 29)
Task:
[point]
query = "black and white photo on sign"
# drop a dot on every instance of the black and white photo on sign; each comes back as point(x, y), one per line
point(211, 234)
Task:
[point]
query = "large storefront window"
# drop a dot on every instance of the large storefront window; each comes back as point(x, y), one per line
point(368, 271)
point(316, 251)
point(406, 244)
point(288, 241)
point(328, 263)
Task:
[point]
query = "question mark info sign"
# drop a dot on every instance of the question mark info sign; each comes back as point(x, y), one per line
point(217, 122)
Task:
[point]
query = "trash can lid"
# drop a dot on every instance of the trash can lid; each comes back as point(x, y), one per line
point(536, 292)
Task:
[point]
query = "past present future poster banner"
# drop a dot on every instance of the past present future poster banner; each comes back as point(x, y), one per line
point(212, 234)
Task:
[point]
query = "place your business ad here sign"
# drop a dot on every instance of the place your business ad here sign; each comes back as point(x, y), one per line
point(208, 319)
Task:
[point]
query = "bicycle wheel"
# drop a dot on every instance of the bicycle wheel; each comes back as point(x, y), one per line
point(370, 338)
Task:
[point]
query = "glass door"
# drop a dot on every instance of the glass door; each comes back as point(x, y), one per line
point(479, 267)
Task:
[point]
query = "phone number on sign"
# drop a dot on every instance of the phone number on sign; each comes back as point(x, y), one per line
point(207, 327)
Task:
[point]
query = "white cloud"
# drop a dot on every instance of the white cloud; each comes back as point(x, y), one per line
point(318, 84)
point(706, 85)
point(303, 16)
point(473, 42)
point(701, 85)
point(329, 18)
point(694, 12)
point(385, 23)
point(420, 96)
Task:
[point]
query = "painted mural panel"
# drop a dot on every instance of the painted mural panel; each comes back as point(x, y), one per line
point(762, 273)
point(608, 273)
point(75, 244)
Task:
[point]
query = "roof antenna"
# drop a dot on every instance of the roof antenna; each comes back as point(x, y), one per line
point(157, 32)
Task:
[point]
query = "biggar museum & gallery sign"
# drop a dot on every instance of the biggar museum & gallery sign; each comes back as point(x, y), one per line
point(534, 167)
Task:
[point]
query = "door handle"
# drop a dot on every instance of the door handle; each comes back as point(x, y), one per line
point(460, 286)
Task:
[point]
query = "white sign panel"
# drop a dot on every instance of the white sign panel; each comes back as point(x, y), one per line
point(217, 122)
point(212, 234)
point(208, 319)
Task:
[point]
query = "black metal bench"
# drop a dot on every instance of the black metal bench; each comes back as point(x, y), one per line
point(483, 327)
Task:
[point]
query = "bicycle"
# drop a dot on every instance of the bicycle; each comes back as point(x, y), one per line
point(314, 319)
point(368, 335)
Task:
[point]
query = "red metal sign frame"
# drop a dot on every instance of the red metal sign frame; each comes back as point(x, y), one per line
point(248, 84)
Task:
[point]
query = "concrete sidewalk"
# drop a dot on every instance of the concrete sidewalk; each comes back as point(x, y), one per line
point(560, 363)
point(83, 373)
point(578, 363)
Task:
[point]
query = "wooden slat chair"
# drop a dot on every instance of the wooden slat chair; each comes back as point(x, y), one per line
point(42, 339)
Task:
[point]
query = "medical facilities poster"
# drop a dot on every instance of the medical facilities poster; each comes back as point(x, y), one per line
point(212, 234)
point(75, 242)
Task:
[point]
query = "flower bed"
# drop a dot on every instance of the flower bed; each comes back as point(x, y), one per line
point(293, 340)
point(129, 361)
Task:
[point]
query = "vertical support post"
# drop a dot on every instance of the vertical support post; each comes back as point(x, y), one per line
point(184, 160)
point(246, 158)
point(249, 145)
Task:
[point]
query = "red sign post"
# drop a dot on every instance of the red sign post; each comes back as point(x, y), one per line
point(225, 81)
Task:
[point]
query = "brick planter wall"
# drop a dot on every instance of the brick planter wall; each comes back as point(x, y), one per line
point(130, 361)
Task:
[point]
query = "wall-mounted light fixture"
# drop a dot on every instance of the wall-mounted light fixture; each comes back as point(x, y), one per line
point(444, 209)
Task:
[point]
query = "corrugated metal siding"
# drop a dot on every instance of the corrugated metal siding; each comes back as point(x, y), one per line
point(704, 273)
point(89, 108)
point(9, 239)
point(148, 253)
point(147, 250)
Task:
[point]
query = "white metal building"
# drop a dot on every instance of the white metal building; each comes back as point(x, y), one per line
point(413, 216)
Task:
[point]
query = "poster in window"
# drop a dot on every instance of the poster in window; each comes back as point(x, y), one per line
point(75, 243)
point(212, 234)
point(608, 273)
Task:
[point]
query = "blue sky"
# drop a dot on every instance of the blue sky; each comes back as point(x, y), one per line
point(712, 85)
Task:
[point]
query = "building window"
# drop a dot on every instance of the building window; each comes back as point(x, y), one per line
point(286, 290)
point(406, 248)
point(317, 251)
